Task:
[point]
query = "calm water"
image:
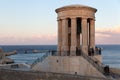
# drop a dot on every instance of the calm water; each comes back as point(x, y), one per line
point(110, 53)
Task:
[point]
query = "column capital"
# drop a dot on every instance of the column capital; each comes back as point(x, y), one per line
point(58, 19)
point(73, 17)
point(84, 19)
point(62, 18)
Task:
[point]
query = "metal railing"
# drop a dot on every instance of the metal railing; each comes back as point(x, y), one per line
point(40, 59)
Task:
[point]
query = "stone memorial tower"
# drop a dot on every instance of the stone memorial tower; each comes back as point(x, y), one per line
point(76, 29)
point(76, 44)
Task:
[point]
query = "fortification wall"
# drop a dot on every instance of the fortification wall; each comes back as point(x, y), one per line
point(30, 75)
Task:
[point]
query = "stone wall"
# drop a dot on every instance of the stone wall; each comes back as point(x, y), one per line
point(30, 75)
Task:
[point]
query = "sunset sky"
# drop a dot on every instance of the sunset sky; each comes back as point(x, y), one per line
point(33, 22)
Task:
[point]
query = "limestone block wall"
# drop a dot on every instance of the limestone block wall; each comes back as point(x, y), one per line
point(67, 64)
point(32, 75)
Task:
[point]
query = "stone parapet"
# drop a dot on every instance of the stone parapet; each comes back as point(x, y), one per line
point(35, 75)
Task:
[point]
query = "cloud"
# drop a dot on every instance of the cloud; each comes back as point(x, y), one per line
point(103, 36)
point(34, 39)
point(108, 35)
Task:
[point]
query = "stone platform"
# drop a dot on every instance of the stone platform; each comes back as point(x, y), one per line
point(67, 64)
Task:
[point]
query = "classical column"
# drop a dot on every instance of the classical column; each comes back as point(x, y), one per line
point(84, 36)
point(59, 36)
point(64, 37)
point(92, 33)
point(73, 37)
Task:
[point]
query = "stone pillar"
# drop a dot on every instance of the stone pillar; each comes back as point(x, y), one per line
point(92, 33)
point(59, 36)
point(84, 36)
point(64, 37)
point(73, 37)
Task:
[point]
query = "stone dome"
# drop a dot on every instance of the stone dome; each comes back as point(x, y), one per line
point(74, 6)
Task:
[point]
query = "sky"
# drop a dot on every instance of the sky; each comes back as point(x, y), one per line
point(34, 22)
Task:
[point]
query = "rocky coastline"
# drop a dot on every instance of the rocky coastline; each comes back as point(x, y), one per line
point(3, 57)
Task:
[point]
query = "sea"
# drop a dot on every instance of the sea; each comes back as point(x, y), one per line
point(110, 53)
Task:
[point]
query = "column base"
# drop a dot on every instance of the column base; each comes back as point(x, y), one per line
point(85, 50)
point(59, 50)
point(64, 51)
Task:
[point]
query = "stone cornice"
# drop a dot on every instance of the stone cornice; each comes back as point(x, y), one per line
point(75, 7)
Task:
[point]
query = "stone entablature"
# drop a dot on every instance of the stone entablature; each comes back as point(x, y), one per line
point(76, 14)
point(76, 11)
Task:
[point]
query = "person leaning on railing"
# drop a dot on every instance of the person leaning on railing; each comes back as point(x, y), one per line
point(98, 50)
point(91, 52)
